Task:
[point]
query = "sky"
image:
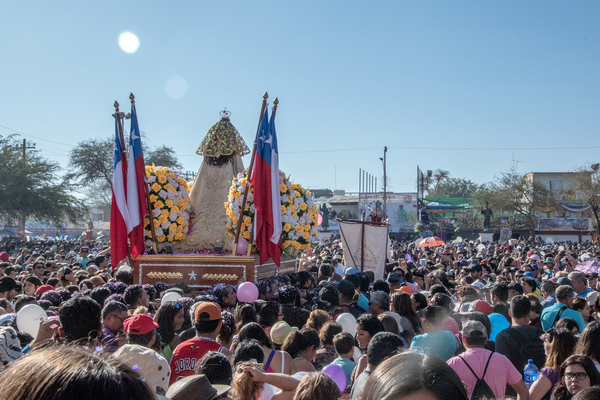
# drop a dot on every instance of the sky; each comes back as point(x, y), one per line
point(463, 86)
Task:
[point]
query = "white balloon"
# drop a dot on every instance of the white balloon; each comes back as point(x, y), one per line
point(171, 296)
point(348, 323)
point(29, 318)
point(459, 239)
point(125, 268)
point(357, 354)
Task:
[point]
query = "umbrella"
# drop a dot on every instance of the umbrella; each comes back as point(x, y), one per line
point(431, 242)
point(587, 267)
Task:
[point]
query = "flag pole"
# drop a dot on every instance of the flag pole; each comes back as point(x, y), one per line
point(273, 112)
point(250, 168)
point(120, 131)
point(146, 190)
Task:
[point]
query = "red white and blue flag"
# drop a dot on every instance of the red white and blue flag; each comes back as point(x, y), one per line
point(136, 187)
point(120, 223)
point(267, 197)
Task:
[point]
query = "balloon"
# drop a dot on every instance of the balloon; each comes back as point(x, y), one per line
point(336, 373)
point(171, 296)
point(357, 354)
point(242, 246)
point(125, 268)
point(459, 239)
point(247, 292)
point(29, 318)
point(319, 219)
point(348, 323)
point(499, 323)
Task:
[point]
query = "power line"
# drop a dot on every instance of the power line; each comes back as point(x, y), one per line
point(35, 137)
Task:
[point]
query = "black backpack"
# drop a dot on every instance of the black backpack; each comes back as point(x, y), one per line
point(481, 390)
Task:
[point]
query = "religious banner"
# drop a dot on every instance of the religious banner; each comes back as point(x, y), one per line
point(401, 209)
point(565, 224)
point(365, 246)
point(505, 235)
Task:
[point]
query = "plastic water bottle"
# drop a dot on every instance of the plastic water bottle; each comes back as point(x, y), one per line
point(531, 373)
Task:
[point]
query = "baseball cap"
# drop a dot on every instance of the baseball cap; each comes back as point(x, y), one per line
point(464, 262)
point(479, 285)
point(43, 289)
point(549, 262)
point(535, 257)
point(280, 330)
point(139, 325)
point(393, 278)
point(405, 289)
point(351, 271)
point(474, 329)
point(529, 274)
point(591, 298)
point(481, 306)
point(84, 248)
point(208, 311)
point(195, 387)
point(534, 266)
point(564, 281)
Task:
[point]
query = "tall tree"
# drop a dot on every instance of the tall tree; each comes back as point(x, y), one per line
point(164, 156)
point(31, 189)
point(457, 187)
point(432, 183)
point(519, 194)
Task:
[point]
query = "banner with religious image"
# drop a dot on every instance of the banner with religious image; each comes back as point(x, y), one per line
point(364, 245)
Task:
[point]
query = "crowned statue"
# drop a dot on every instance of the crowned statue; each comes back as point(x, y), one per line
point(222, 149)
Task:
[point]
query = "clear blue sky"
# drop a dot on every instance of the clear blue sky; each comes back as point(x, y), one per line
point(457, 85)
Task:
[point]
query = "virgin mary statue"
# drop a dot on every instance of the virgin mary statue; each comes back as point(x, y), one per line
point(222, 149)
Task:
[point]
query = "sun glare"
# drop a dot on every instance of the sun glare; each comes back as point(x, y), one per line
point(128, 42)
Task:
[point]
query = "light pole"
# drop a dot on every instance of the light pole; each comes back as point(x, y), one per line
point(384, 182)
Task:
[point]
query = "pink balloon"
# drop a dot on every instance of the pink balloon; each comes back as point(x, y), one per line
point(338, 375)
point(320, 219)
point(242, 247)
point(247, 292)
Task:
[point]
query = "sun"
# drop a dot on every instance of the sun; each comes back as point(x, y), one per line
point(128, 42)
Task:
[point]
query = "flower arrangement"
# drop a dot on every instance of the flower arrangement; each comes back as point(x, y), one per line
point(169, 198)
point(299, 214)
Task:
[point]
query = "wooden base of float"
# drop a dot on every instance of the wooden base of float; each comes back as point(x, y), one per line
point(201, 272)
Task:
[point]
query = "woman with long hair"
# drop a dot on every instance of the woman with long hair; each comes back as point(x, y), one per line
point(317, 319)
point(317, 386)
point(414, 376)
point(169, 318)
point(435, 340)
point(302, 346)
point(401, 304)
point(31, 284)
point(588, 343)
point(558, 346)
point(275, 361)
point(245, 315)
point(367, 326)
point(576, 373)
point(326, 353)
point(270, 313)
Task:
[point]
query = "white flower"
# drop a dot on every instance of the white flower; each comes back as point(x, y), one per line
point(173, 216)
point(284, 198)
point(158, 231)
point(163, 194)
point(148, 243)
point(156, 212)
point(165, 225)
point(250, 197)
point(252, 209)
point(151, 179)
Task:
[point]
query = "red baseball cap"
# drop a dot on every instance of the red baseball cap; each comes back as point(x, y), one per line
point(481, 306)
point(43, 289)
point(208, 311)
point(139, 325)
point(529, 253)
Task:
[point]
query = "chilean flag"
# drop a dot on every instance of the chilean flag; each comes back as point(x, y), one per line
point(267, 197)
point(120, 223)
point(136, 187)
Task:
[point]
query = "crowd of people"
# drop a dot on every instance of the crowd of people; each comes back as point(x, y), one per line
point(464, 320)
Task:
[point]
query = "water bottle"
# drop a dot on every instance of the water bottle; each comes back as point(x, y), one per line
point(530, 373)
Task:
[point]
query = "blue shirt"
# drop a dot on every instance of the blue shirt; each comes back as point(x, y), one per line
point(347, 365)
point(442, 344)
point(584, 292)
point(549, 315)
point(550, 300)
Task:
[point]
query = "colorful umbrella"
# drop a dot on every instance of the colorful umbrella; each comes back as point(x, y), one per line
point(431, 242)
point(587, 267)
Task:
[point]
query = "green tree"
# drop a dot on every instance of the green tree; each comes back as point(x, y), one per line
point(31, 189)
point(164, 156)
point(587, 187)
point(457, 187)
point(518, 194)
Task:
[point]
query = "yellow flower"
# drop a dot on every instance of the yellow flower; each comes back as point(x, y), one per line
point(302, 206)
point(146, 221)
point(175, 209)
point(247, 220)
point(228, 225)
point(243, 181)
point(226, 204)
point(162, 219)
point(183, 202)
point(162, 179)
point(307, 227)
point(314, 208)
point(181, 181)
point(247, 207)
point(164, 213)
point(153, 198)
point(180, 221)
point(171, 237)
point(172, 227)
point(171, 175)
point(170, 187)
point(159, 204)
point(237, 195)
point(179, 236)
point(156, 223)
point(156, 187)
point(169, 203)
point(299, 228)
point(296, 193)
point(282, 187)
point(234, 219)
point(246, 235)
point(184, 207)
point(306, 235)
point(161, 238)
point(296, 245)
point(292, 207)
point(287, 227)
point(283, 209)
point(231, 235)
point(242, 228)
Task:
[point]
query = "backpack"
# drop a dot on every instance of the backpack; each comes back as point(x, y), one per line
point(528, 349)
point(481, 390)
